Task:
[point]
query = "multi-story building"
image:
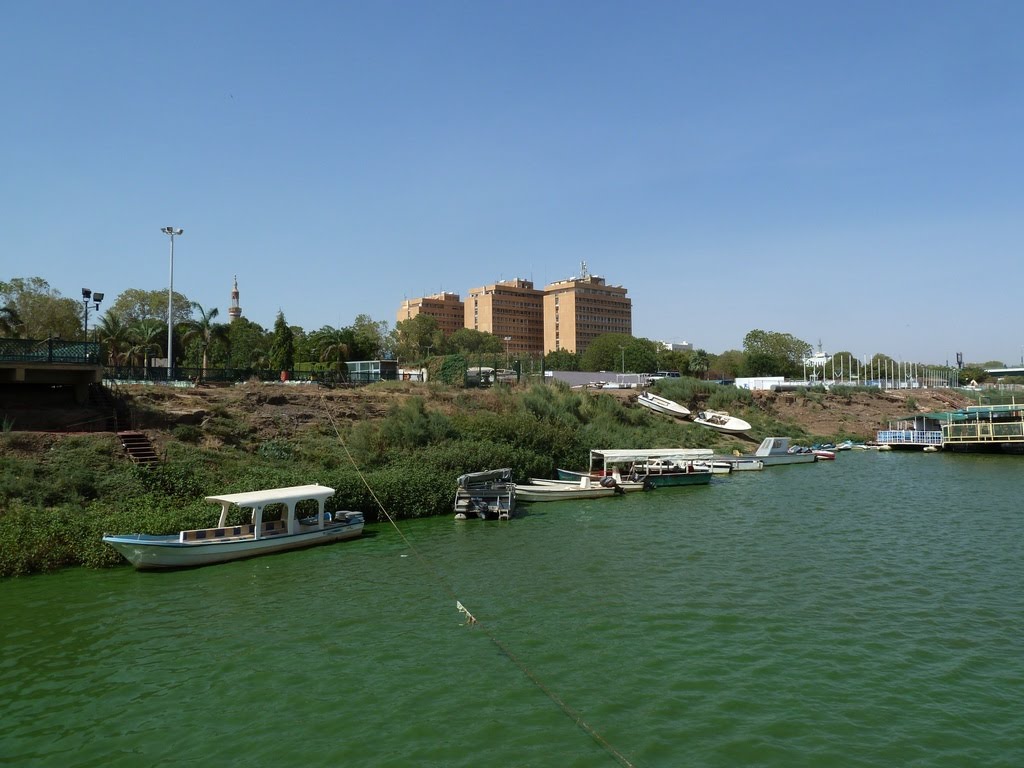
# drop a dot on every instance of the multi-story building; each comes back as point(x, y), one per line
point(579, 309)
point(513, 310)
point(446, 308)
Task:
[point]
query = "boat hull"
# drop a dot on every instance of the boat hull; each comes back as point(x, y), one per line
point(676, 479)
point(168, 552)
point(629, 486)
point(663, 405)
point(526, 493)
point(788, 458)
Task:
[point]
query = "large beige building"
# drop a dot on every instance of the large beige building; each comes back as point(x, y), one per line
point(513, 310)
point(446, 308)
point(578, 310)
point(568, 314)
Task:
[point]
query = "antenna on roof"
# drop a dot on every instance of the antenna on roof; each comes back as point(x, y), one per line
point(583, 270)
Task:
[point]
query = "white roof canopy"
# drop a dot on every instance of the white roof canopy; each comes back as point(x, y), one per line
point(289, 496)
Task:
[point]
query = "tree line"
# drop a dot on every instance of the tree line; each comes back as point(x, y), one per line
point(132, 330)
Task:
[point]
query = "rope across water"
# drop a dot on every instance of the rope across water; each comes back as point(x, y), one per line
point(471, 619)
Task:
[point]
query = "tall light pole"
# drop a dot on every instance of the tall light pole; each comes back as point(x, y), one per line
point(171, 232)
point(507, 340)
point(622, 349)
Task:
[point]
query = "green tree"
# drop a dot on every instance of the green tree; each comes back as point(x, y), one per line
point(615, 351)
point(147, 337)
point(728, 364)
point(369, 338)
point(417, 338)
point(331, 345)
point(115, 336)
point(469, 341)
point(699, 364)
point(135, 304)
point(205, 332)
point(248, 343)
point(673, 360)
point(10, 321)
point(561, 360)
point(770, 353)
point(282, 345)
point(41, 310)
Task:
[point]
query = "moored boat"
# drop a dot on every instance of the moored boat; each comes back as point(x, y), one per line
point(584, 489)
point(224, 542)
point(774, 451)
point(659, 467)
point(489, 495)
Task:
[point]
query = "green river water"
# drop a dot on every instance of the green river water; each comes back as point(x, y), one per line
point(862, 612)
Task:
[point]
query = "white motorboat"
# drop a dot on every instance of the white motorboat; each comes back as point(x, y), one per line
point(224, 542)
point(778, 450)
point(721, 422)
point(660, 404)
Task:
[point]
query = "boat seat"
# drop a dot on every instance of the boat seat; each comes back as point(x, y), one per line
point(206, 534)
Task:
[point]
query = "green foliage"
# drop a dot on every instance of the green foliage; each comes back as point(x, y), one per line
point(561, 360)
point(187, 433)
point(38, 311)
point(282, 345)
point(770, 353)
point(452, 370)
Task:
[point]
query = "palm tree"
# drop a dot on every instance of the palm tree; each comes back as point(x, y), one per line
point(146, 337)
point(332, 346)
point(206, 331)
point(10, 321)
point(112, 332)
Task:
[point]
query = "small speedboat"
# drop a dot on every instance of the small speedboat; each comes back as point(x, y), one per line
point(722, 422)
point(660, 404)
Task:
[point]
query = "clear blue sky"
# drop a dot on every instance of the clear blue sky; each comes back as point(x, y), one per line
point(849, 172)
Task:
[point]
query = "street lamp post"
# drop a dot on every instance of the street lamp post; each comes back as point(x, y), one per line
point(171, 232)
point(507, 340)
point(623, 351)
point(95, 298)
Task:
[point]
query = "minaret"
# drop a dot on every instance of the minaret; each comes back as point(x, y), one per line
point(235, 311)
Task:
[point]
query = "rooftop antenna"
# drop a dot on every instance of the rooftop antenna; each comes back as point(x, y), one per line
point(583, 270)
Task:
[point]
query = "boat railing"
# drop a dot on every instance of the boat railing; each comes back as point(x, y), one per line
point(909, 437)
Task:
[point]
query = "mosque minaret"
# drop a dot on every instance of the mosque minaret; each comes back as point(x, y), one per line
point(235, 311)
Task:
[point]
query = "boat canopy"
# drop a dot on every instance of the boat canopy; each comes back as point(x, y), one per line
point(629, 455)
point(490, 476)
point(257, 500)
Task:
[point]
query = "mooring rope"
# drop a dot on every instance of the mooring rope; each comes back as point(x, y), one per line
point(568, 710)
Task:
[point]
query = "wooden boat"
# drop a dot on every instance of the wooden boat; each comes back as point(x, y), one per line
point(489, 495)
point(660, 404)
point(584, 489)
point(776, 450)
point(721, 422)
point(224, 542)
point(824, 454)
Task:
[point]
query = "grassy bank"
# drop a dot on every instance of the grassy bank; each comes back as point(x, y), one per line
point(57, 498)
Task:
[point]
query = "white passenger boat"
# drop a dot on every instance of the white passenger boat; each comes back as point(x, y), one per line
point(721, 422)
point(224, 542)
point(660, 404)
